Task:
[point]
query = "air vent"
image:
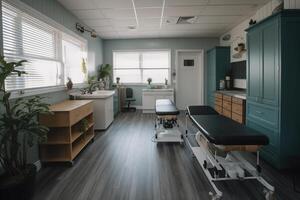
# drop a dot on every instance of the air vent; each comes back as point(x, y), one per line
point(187, 20)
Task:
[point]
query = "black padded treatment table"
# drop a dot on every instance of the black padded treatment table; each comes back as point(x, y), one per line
point(166, 122)
point(221, 130)
point(217, 134)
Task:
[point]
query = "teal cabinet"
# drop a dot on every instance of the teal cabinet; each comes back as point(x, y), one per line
point(272, 78)
point(218, 62)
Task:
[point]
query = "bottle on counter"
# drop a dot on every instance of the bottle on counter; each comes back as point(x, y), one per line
point(228, 84)
point(222, 85)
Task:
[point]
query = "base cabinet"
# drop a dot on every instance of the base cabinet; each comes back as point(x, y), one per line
point(151, 95)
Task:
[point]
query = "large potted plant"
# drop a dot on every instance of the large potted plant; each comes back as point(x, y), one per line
point(104, 73)
point(19, 130)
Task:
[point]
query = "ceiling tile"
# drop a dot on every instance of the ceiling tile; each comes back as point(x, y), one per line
point(118, 13)
point(103, 28)
point(88, 14)
point(149, 22)
point(184, 11)
point(123, 22)
point(78, 4)
point(228, 10)
point(148, 3)
point(97, 22)
point(238, 2)
point(112, 3)
point(186, 2)
point(148, 12)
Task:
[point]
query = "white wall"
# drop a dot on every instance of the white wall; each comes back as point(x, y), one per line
point(239, 35)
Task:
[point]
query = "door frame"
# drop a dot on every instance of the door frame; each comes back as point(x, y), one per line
point(201, 71)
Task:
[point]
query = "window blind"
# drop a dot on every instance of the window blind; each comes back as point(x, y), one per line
point(25, 37)
point(138, 66)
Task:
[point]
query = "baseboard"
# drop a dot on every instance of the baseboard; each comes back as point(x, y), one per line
point(137, 107)
point(38, 165)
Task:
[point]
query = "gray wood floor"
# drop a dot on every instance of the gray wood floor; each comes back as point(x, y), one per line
point(123, 163)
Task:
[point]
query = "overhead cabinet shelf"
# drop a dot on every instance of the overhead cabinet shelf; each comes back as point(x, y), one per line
point(71, 129)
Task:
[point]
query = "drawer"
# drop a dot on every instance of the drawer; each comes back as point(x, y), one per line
point(218, 109)
point(238, 118)
point(226, 113)
point(238, 109)
point(218, 102)
point(219, 95)
point(227, 105)
point(237, 100)
point(227, 98)
point(265, 115)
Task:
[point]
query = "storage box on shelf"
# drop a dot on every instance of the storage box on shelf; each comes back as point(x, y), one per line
point(71, 129)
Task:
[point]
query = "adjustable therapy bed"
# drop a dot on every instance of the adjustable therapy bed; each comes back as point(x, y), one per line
point(220, 141)
point(166, 126)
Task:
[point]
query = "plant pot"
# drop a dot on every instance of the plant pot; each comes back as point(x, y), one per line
point(19, 187)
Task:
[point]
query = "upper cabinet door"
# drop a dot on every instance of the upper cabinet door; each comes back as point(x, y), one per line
point(270, 63)
point(254, 65)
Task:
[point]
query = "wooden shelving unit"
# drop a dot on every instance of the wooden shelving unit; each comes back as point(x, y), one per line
point(66, 137)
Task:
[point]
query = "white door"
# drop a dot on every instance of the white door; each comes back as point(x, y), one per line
point(189, 79)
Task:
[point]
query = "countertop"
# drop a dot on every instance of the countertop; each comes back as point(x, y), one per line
point(234, 93)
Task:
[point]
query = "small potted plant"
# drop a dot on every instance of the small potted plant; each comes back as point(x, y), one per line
point(19, 129)
point(149, 80)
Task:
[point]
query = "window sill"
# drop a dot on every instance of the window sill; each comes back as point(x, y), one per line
point(39, 91)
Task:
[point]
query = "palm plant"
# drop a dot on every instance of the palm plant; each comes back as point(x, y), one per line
point(19, 126)
point(105, 70)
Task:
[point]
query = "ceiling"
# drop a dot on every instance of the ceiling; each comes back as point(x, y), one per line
point(157, 18)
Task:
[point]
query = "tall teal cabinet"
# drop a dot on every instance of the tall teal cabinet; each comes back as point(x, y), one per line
point(273, 75)
point(218, 63)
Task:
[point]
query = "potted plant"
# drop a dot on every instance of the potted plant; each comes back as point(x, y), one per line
point(104, 72)
point(19, 129)
point(149, 80)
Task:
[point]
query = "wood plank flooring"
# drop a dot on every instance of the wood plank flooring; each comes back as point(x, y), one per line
point(123, 163)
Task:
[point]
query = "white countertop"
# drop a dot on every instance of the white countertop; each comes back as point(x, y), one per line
point(158, 90)
point(234, 93)
point(99, 94)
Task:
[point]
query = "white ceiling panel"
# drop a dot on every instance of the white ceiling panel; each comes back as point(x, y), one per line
point(112, 3)
point(237, 2)
point(186, 2)
point(149, 12)
point(183, 11)
point(88, 14)
point(117, 18)
point(118, 13)
point(78, 4)
point(123, 22)
point(104, 28)
point(148, 3)
point(229, 10)
point(149, 22)
point(97, 22)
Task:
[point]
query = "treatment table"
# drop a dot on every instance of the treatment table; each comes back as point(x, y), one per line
point(166, 126)
point(220, 141)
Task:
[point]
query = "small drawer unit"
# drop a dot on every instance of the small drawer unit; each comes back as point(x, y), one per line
point(231, 107)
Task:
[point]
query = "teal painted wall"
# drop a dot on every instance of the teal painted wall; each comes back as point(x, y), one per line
point(57, 12)
point(165, 43)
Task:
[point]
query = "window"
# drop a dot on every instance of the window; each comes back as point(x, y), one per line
point(42, 45)
point(138, 66)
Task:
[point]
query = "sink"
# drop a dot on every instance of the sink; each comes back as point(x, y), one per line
point(99, 94)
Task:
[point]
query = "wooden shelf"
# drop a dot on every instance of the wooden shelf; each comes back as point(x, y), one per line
point(65, 140)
